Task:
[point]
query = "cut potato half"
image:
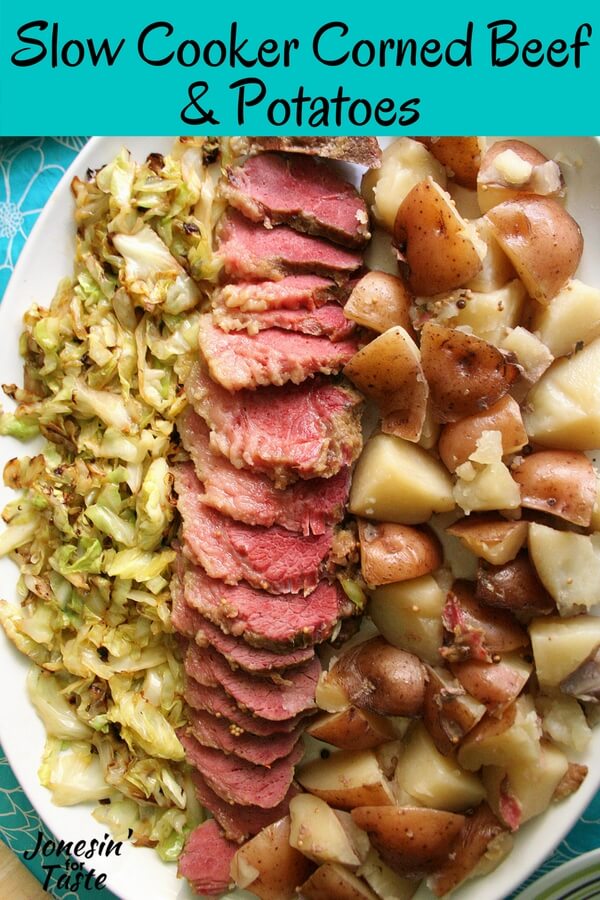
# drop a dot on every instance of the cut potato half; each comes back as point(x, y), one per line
point(561, 645)
point(572, 319)
point(388, 372)
point(542, 241)
point(391, 552)
point(404, 163)
point(511, 168)
point(380, 301)
point(461, 156)
point(412, 841)
point(441, 249)
point(568, 565)
point(559, 482)
point(268, 866)
point(458, 440)
point(435, 780)
point(409, 615)
point(324, 834)
point(466, 375)
point(490, 537)
point(398, 481)
point(347, 778)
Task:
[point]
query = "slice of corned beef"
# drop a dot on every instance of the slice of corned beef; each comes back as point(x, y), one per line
point(238, 653)
point(273, 559)
point(251, 251)
point(325, 321)
point(238, 781)
point(206, 860)
point(292, 292)
point(249, 496)
point(238, 360)
point(189, 622)
point(222, 735)
point(239, 822)
point(267, 620)
point(365, 151)
point(299, 431)
point(301, 192)
point(263, 697)
point(217, 702)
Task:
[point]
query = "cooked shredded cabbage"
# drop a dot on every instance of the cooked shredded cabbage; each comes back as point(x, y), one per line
point(92, 527)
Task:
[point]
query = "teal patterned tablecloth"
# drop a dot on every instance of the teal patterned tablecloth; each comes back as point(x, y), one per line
point(30, 169)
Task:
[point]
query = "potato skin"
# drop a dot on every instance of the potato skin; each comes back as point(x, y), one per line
point(433, 240)
point(494, 684)
point(281, 867)
point(352, 729)
point(559, 482)
point(459, 439)
point(514, 586)
point(449, 713)
point(478, 831)
point(388, 371)
point(333, 882)
point(543, 242)
point(466, 375)
point(390, 552)
point(486, 535)
point(382, 679)
point(493, 188)
point(460, 155)
point(379, 301)
point(413, 841)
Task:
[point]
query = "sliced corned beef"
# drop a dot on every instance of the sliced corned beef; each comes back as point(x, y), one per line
point(251, 251)
point(301, 192)
point(238, 360)
point(238, 781)
point(293, 292)
point(365, 151)
point(251, 497)
point(218, 703)
point(189, 622)
point(305, 431)
point(239, 822)
point(266, 620)
point(263, 697)
point(206, 860)
point(222, 735)
point(239, 653)
point(324, 321)
point(273, 559)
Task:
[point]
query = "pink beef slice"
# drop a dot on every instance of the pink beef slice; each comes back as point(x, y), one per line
point(301, 192)
point(189, 622)
point(364, 151)
point(292, 292)
point(261, 696)
point(217, 702)
point(309, 507)
point(239, 360)
point(206, 859)
point(325, 321)
point(251, 251)
point(222, 735)
point(273, 559)
point(299, 431)
point(266, 620)
point(237, 781)
point(239, 822)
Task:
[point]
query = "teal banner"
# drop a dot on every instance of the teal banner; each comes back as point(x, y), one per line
point(298, 68)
